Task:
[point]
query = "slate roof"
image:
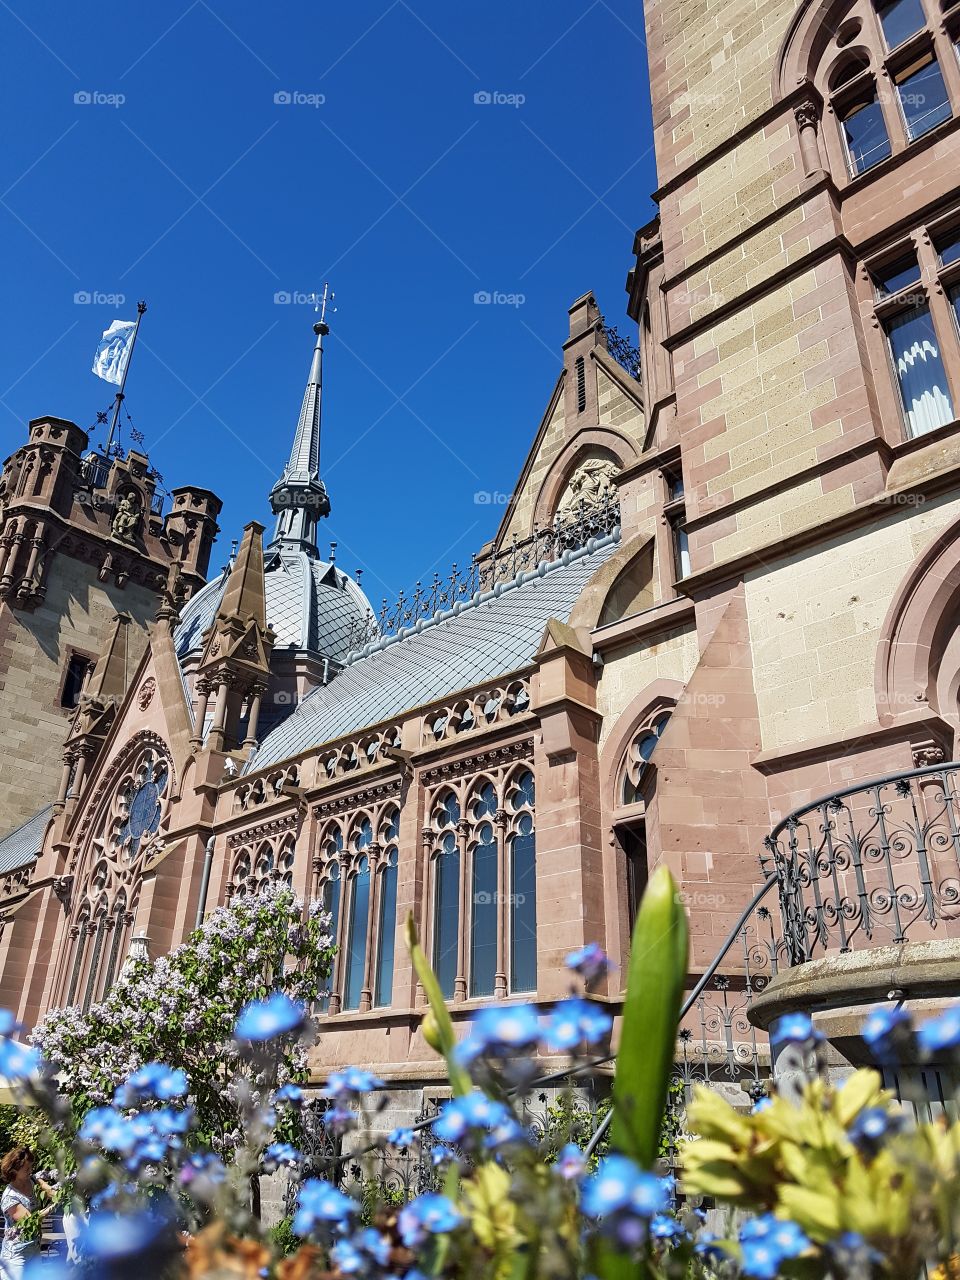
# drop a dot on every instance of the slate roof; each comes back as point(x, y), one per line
point(22, 845)
point(310, 605)
point(477, 642)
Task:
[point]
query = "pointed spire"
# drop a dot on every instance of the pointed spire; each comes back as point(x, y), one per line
point(245, 595)
point(108, 683)
point(299, 498)
point(235, 659)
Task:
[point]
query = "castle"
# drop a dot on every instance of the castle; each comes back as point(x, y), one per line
point(715, 628)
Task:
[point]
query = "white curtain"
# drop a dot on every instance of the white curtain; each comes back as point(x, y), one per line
point(923, 382)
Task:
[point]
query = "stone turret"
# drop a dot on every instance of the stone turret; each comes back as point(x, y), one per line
point(83, 538)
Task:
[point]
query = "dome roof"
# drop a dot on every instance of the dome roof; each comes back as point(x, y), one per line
point(311, 605)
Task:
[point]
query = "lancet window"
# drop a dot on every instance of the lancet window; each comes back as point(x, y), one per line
point(357, 869)
point(481, 848)
point(259, 865)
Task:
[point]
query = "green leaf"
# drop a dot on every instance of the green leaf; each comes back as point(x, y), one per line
point(655, 982)
point(444, 1037)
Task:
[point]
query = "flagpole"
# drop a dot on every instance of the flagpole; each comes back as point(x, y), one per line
point(141, 308)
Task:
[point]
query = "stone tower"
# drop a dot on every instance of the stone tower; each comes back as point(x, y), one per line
point(83, 538)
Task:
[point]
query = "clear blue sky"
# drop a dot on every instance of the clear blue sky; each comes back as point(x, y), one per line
point(202, 194)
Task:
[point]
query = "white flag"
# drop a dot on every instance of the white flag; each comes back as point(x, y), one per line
point(110, 362)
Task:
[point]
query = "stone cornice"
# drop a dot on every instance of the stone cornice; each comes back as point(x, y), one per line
point(358, 799)
point(478, 762)
point(275, 827)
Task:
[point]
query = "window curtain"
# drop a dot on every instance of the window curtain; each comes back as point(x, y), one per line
point(920, 372)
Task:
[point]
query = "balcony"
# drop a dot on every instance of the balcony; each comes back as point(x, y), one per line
point(867, 883)
point(860, 905)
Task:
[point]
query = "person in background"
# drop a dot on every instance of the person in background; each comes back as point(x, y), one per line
point(17, 1203)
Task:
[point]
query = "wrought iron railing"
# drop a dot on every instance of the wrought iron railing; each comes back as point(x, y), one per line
point(571, 530)
point(877, 863)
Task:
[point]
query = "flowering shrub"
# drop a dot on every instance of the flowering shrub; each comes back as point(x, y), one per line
point(832, 1183)
point(183, 1009)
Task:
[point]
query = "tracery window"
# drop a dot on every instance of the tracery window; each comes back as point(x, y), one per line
point(634, 785)
point(446, 895)
point(357, 883)
point(106, 899)
point(257, 869)
point(913, 289)
point(482, 854)
point(637, 760)
point(359, 888)
point(889, 75)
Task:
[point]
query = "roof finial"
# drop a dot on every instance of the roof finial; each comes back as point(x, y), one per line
point(299, 498)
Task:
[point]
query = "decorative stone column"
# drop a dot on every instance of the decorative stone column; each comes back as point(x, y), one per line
point(36, 546)
point(807, 115)
point(69, 761)
point(203, 693)
point(218, 727)
point(7, 550)
point(256, 697)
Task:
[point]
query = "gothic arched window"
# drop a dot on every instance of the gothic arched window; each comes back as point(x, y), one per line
point(446, 896)
point(330, 884)
point(357, 928)
point(523, 885)
point(638, 757)
point(485, 895)
point(490, 858)
point(389, 870)
point(885, 68)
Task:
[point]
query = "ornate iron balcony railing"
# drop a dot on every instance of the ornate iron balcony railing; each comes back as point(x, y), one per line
point(875, 864)
point(568, 532)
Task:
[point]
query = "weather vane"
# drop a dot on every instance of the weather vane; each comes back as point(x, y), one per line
point(325, 300)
